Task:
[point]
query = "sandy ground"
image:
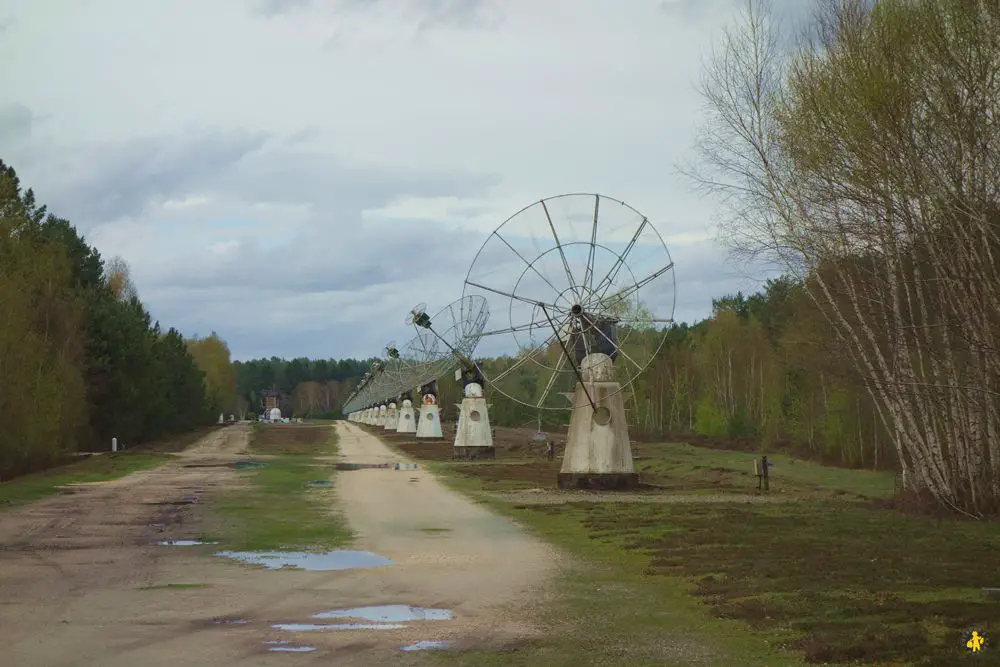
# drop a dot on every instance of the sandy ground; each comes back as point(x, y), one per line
point(76, 571)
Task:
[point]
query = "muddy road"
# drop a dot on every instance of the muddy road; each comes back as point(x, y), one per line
point(84, 582)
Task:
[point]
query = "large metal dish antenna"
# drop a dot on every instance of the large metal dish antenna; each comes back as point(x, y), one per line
point(577, 274)
point(459, 325)
point(424, 359)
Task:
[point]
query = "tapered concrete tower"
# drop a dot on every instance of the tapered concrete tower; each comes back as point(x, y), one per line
point(598, 451)
point(406, 423)
point(429, 425)
point(391, 417)
point(473, 436)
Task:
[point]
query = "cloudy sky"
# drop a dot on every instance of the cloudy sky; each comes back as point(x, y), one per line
point(296, 174)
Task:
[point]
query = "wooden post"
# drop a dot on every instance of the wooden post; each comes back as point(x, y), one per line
point(764, 465)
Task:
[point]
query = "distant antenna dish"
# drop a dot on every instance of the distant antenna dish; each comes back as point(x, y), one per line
point(568, 271)
point(459, 325)
point(417, 314)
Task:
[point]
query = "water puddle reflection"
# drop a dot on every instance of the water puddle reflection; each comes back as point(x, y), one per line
point(315, 562)
point(389, 613)
point(285, 647)
point(428, 645)
point(315, 627)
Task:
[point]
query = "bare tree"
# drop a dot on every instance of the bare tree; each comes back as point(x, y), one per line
point(868, 161)
point(118, 275)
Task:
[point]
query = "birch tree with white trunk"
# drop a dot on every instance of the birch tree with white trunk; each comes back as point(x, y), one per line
point(867, 159)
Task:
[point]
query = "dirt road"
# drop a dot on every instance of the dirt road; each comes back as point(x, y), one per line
point(84, 583)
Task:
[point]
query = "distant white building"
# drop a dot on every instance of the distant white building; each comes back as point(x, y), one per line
point(275, 414)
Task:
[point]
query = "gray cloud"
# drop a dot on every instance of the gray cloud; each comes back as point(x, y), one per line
point(424, 14)
point(278, 7)
point(114, 180)
point(325, 191)
point(16, 121)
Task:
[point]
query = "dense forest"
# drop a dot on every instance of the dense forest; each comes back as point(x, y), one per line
point(304, 387)
point(81, 360)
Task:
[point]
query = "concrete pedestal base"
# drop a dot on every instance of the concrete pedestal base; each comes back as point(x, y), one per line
point(473, 429)
point(407, 420)
point(598, 453)
point(473, 453)
point(429, 424)
point(599, 481)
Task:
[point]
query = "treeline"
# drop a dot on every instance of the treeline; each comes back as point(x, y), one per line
point(765, 370)
point(305, 388)
point(81, 361)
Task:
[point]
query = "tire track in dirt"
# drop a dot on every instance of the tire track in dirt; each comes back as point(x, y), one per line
point(56, 552)
point(72, 569)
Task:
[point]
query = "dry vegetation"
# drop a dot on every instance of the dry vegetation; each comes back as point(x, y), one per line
point(827, 569)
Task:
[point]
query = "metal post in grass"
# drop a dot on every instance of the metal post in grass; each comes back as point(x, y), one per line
point(760, 469)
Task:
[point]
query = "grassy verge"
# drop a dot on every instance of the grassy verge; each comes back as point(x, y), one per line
point(828, 575)
point(608, 609)
point(277, 509)
point(97, 468)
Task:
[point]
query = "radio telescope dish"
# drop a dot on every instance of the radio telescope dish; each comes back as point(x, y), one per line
point(424, 359)
point(416, 313)
point(459, 325)
point(576, 275)
point(434, 350)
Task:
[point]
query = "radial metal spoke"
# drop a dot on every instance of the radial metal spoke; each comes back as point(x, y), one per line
point(629, 291)
point(588, 276)
point(513, 329)
point(579, 375)
point(616, 267)
point(530, 302)
point(620, 350)
point(520, 361)
point(627, 322)
point(531, 265)
point(569, 274)
point(552, 380)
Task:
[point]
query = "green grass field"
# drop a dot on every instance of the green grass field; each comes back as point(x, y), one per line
point(100, 467)
point(276, 509)
point(825, 574)
point(96, 468)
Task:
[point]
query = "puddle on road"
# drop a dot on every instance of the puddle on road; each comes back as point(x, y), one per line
point(230, 621)
point(427, 645)
point(389, 613)
point(246, 465)
point(314, 562)
point(182, 543)
point(315, 627)
point(279, 646)
point(360, 466)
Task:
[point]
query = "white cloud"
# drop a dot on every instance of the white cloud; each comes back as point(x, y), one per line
point(296, 174)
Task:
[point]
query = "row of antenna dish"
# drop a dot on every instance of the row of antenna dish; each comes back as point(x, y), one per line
point(441, 342)
point(567, 271)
